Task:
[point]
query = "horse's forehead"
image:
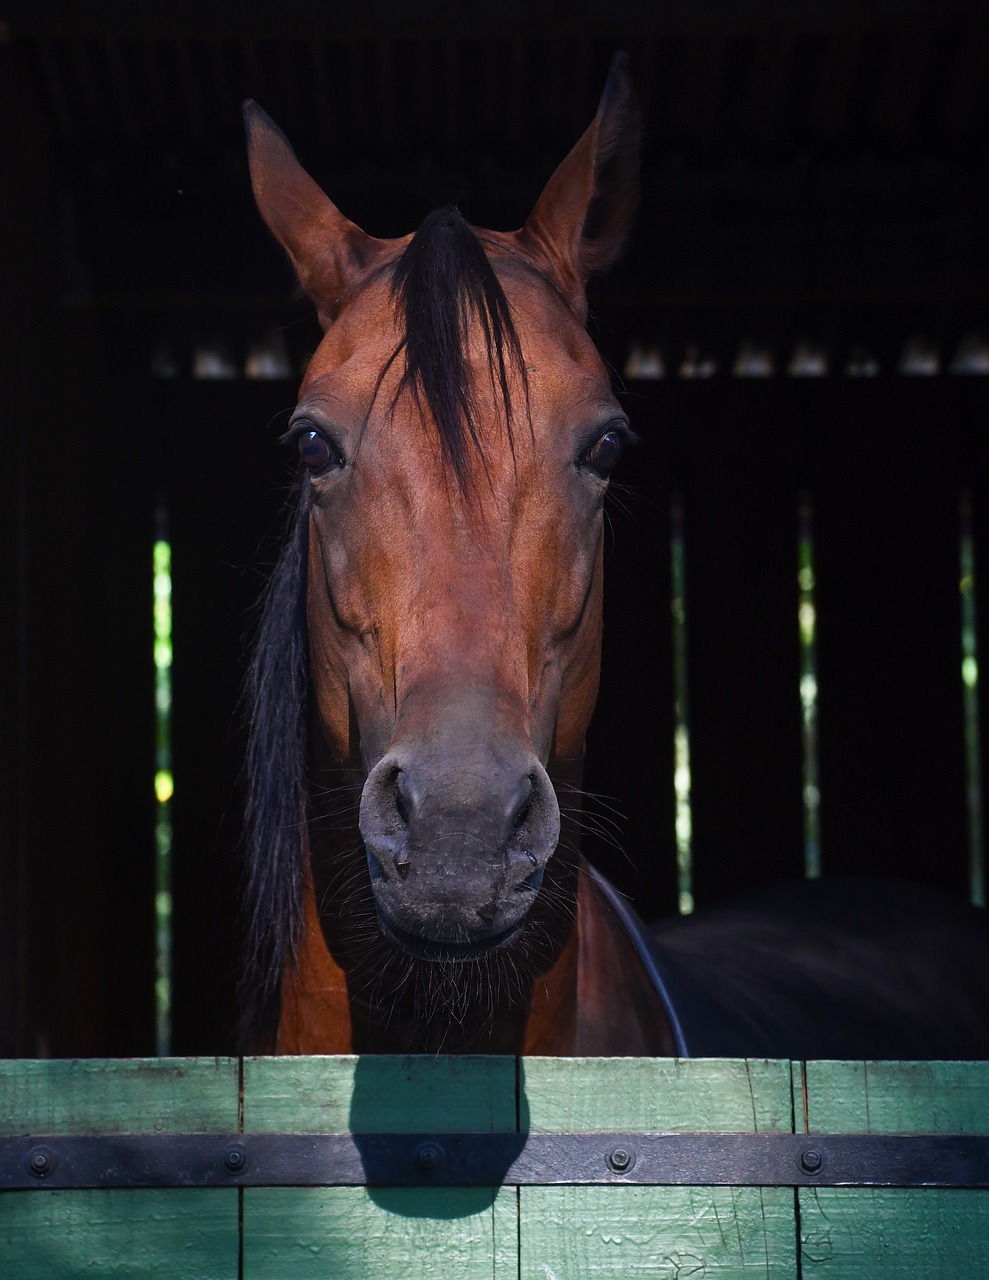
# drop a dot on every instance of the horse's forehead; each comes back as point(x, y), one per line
point(559, 356)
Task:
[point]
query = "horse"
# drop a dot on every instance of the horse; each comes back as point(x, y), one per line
point(428, 655)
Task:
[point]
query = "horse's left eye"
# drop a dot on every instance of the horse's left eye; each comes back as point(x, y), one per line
point(316, 451)
point(604, 454)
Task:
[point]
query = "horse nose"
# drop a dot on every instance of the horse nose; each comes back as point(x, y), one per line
point(404, 809)
point(460, 845)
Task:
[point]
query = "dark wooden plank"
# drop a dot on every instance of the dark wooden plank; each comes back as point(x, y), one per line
point(886, 499)
point(75, 947)
point(737, 462)
point(27, 289)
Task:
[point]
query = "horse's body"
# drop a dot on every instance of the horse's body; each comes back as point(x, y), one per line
point(429, 656)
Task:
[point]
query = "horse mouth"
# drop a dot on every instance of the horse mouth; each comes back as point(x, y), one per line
point(437, 950)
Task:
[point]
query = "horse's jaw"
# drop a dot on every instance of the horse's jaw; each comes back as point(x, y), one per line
point(448, 950)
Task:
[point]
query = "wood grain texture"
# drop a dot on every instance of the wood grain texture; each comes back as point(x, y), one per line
point(655, 1095)
point(572, 1233)
point(152, 1234)
point(394, 1234)
point(663, 1233)
point(860, 1233)
point(133, 1235)
point(851, 1233)
point(897, 1097)
point(412, 1233)
point(134, 1095)
point(530, 1233)
point(369, 1094)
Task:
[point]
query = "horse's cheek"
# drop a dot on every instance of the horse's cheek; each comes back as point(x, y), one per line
point(581, 673)
point(330, 686)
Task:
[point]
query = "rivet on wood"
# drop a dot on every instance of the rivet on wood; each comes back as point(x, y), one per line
point(621, 1160)
point(429, 1157)
point(811, 1160)
point(41, 1162)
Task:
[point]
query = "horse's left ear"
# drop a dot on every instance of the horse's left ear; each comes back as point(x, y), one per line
point(580, 221)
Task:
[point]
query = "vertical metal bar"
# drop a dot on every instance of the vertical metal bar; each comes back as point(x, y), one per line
point(970, 700)
point(164, 782)
point(807, 618)
point(681, 730)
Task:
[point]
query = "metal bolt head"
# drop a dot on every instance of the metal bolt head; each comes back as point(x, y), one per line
point(41, 1162)
point(235, 1158)
point(429, 1157)
point(621, 1159)
point(811, 1160)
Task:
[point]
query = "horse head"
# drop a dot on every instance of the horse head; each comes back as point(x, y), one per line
point(456, 430)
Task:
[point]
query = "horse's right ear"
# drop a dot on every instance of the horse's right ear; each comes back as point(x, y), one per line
point(328, 251)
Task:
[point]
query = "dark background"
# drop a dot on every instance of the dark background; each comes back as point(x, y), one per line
point(813, 172)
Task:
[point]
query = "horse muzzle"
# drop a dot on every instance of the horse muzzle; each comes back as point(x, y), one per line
point(456, 857)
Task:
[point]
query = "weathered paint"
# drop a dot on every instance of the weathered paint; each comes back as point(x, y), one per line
point(408, 1232)
point(529, 1233)
point(583, 1232)
point(854, 1233)
point(158, 1235)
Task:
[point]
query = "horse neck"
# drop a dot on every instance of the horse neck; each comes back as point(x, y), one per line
point(620, 1013)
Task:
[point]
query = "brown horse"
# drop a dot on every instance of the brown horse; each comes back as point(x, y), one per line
point(428, 660)
point(456, 429)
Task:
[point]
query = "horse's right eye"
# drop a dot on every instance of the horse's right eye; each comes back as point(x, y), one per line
point(317, 453)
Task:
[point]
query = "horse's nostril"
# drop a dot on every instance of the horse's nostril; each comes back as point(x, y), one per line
point(401, 798)
point(402, 862)
point(524, 811)
point(531, 883)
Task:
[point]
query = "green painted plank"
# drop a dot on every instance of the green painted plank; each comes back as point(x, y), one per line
point(410, 1233)
point(655, 1095)
point(575, 1233)
point(864, 1233)
point(663, 1233)
point(141, 1235)
point(505, 1241)
point(134, 1235)
point(859, 1233)
point(132, 1095)
point(897, 1097)
point(379, 1094)
point(350, 1233)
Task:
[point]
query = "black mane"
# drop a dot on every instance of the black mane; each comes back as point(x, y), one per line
point(276, 694)
point(441, 282)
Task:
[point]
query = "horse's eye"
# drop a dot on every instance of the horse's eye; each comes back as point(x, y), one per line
point(605, 453)
point(317, 453)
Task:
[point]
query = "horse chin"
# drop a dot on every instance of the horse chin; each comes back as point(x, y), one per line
point(447, 950)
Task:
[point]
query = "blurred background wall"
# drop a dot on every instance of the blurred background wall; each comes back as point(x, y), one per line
point(800, 332)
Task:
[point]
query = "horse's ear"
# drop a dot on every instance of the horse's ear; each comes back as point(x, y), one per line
point(581, 219)
point(328, 251)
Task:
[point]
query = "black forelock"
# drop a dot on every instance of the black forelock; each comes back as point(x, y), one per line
point(441, 283)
